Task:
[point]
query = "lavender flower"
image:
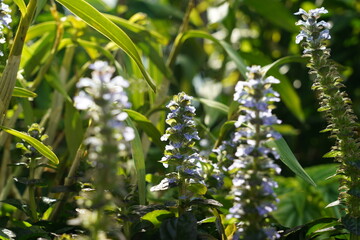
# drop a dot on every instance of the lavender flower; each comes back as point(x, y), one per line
point(104, 98)
point(252, 166)
point(5, 20)
point(315, 33)
point(180, 152)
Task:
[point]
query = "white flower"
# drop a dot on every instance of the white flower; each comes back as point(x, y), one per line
point(315, 33)
point(104, 98)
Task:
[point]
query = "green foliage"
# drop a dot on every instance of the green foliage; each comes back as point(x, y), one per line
point(39, 146)
point(199, 47)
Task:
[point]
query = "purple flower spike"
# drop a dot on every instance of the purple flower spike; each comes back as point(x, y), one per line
point(252, 167)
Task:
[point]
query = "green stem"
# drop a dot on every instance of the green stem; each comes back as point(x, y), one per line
point(182, 192)
point(69, 180)
point(8, 79)
point(32, 202)
point(177, 43)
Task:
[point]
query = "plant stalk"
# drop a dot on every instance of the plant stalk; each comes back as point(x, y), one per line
point(8, 79)
point(32, 202)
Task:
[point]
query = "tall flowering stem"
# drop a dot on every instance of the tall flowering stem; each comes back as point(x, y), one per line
point(252, 169)
point(104, 98)
point(336, 105)
point(180, 152)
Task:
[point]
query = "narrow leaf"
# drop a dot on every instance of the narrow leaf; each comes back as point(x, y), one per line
point(43, 150)
point(240, 64)
point(147, 126)
point(106, 27)
point(332, 154)
point(23, 93)
point(281, 61)
point(156, 216)
point(74, 131)
point(225, 129)
point(136, 28)
point(139, 160)
point(215, 105)
point(21, 5)
point(289, 159)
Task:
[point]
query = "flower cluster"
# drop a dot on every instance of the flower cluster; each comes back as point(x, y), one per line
point(104, 98)
point(252, 169)
point(335, 103)
point(5, 20)
point(180, 152)
point(315, 33)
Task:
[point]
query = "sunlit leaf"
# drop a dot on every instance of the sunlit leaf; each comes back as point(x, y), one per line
point(281, 61)
point(147, 126)
point(23, 93)
point(215, 105)
point(289, 159)
point(156, 216)
point(106, 27)
point(240, 64)
point(21, 5)
point(39, 146)
point(139, 159)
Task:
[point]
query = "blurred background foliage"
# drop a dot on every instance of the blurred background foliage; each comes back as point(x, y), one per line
point(260, 31)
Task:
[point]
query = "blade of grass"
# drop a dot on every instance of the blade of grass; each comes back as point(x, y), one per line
point(21, 5)
point(139, 159)
point(289, 159)
point(43, 150)
point(23, 93)
point(106, 27)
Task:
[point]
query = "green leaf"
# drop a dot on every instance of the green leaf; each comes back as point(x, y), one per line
point(139, 159)
point(93, 45)
point(136, 28)
point(18, 204)
point(74, 131)
point(281, 61)
point(22, 7)
point(317, 228)
point(332, 154)
point(289, 159)
point(197, 188)
point(225, 129)
point(240, 64)
point(215, 105)
point(39, 29)
point(275, 12)
point(23, 93)
point(147, 126)
point(206, 202)
point(106, 27)
point(43, 150)
point(156, 216)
